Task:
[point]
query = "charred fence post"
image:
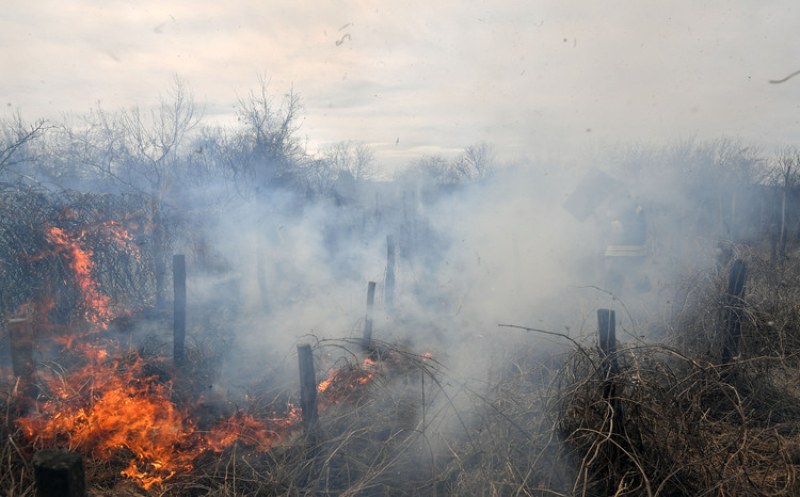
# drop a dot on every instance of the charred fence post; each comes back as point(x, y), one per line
point(308, 387)
point(179, 311)
point(366, 341)
point(732, 306)
point(59, 473)
point(388, 287)
point(606, 327)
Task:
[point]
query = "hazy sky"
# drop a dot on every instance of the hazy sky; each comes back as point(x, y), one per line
point(418, 77)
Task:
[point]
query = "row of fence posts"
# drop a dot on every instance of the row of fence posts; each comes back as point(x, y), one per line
point(60, 472)
point(179, 300)
point(305, 356)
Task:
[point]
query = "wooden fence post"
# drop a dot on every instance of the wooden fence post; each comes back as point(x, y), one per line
point(59, 473)
point(179, 311)
point(606, 329)
point(606, 326)
point(308, 387)
point(367, 338)
point(732, 305)
point(388, 287)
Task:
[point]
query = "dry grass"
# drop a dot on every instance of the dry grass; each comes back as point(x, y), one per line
point(540, 426)
point(694, 426)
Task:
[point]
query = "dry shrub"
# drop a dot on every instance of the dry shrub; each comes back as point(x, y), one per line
point(692, 425)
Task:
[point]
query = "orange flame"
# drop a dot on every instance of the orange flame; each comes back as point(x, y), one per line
point(121, 237)
point(95, 306)
point(342, 383)
point(96, 309)
point(244, 428)
point(110, 408)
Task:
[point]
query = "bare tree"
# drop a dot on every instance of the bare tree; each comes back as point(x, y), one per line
point(351, 158)
point(340, 168)
point(475, 163)
point(785, 176)
point(141, 151)
point(153, 141)
point(16, 140)
point(268, 151)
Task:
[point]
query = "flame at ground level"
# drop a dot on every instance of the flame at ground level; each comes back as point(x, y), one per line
point(111, 409)
point(343, 382)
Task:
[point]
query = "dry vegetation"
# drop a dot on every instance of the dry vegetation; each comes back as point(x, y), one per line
point(672, 418)
point(538, 426)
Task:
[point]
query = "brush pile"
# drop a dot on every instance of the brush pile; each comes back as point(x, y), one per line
point(693, 424)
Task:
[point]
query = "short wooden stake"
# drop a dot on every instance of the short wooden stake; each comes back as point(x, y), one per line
point(308, 387)
point(732, 305)
point(179, 311)
point(367, 338)
point(606, 325)
point(59, 473)
point(388, 287)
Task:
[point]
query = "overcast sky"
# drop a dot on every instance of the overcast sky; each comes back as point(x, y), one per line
point(429, 76)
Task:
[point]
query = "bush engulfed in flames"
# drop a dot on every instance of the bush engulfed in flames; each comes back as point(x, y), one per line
point(110, 407)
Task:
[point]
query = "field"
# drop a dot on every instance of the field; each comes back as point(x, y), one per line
point(236, 317)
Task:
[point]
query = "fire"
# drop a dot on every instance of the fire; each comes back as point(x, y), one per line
point(113, 410)
point(120, 236)
point(113, 406)
point(244, 428)
point(95, 307)
point(342, 383)
point(96, 310)
point(110, 406)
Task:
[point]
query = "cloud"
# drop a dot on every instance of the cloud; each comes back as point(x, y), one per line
point(456, 71)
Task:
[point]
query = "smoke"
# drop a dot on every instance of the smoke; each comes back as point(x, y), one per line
point(273, 264)
point(468, 258)
point(500, 250)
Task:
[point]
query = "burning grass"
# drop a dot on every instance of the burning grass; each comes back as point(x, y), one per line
point(120, 407)
point(677, 422)
point(122, 411)
point(398, 423)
